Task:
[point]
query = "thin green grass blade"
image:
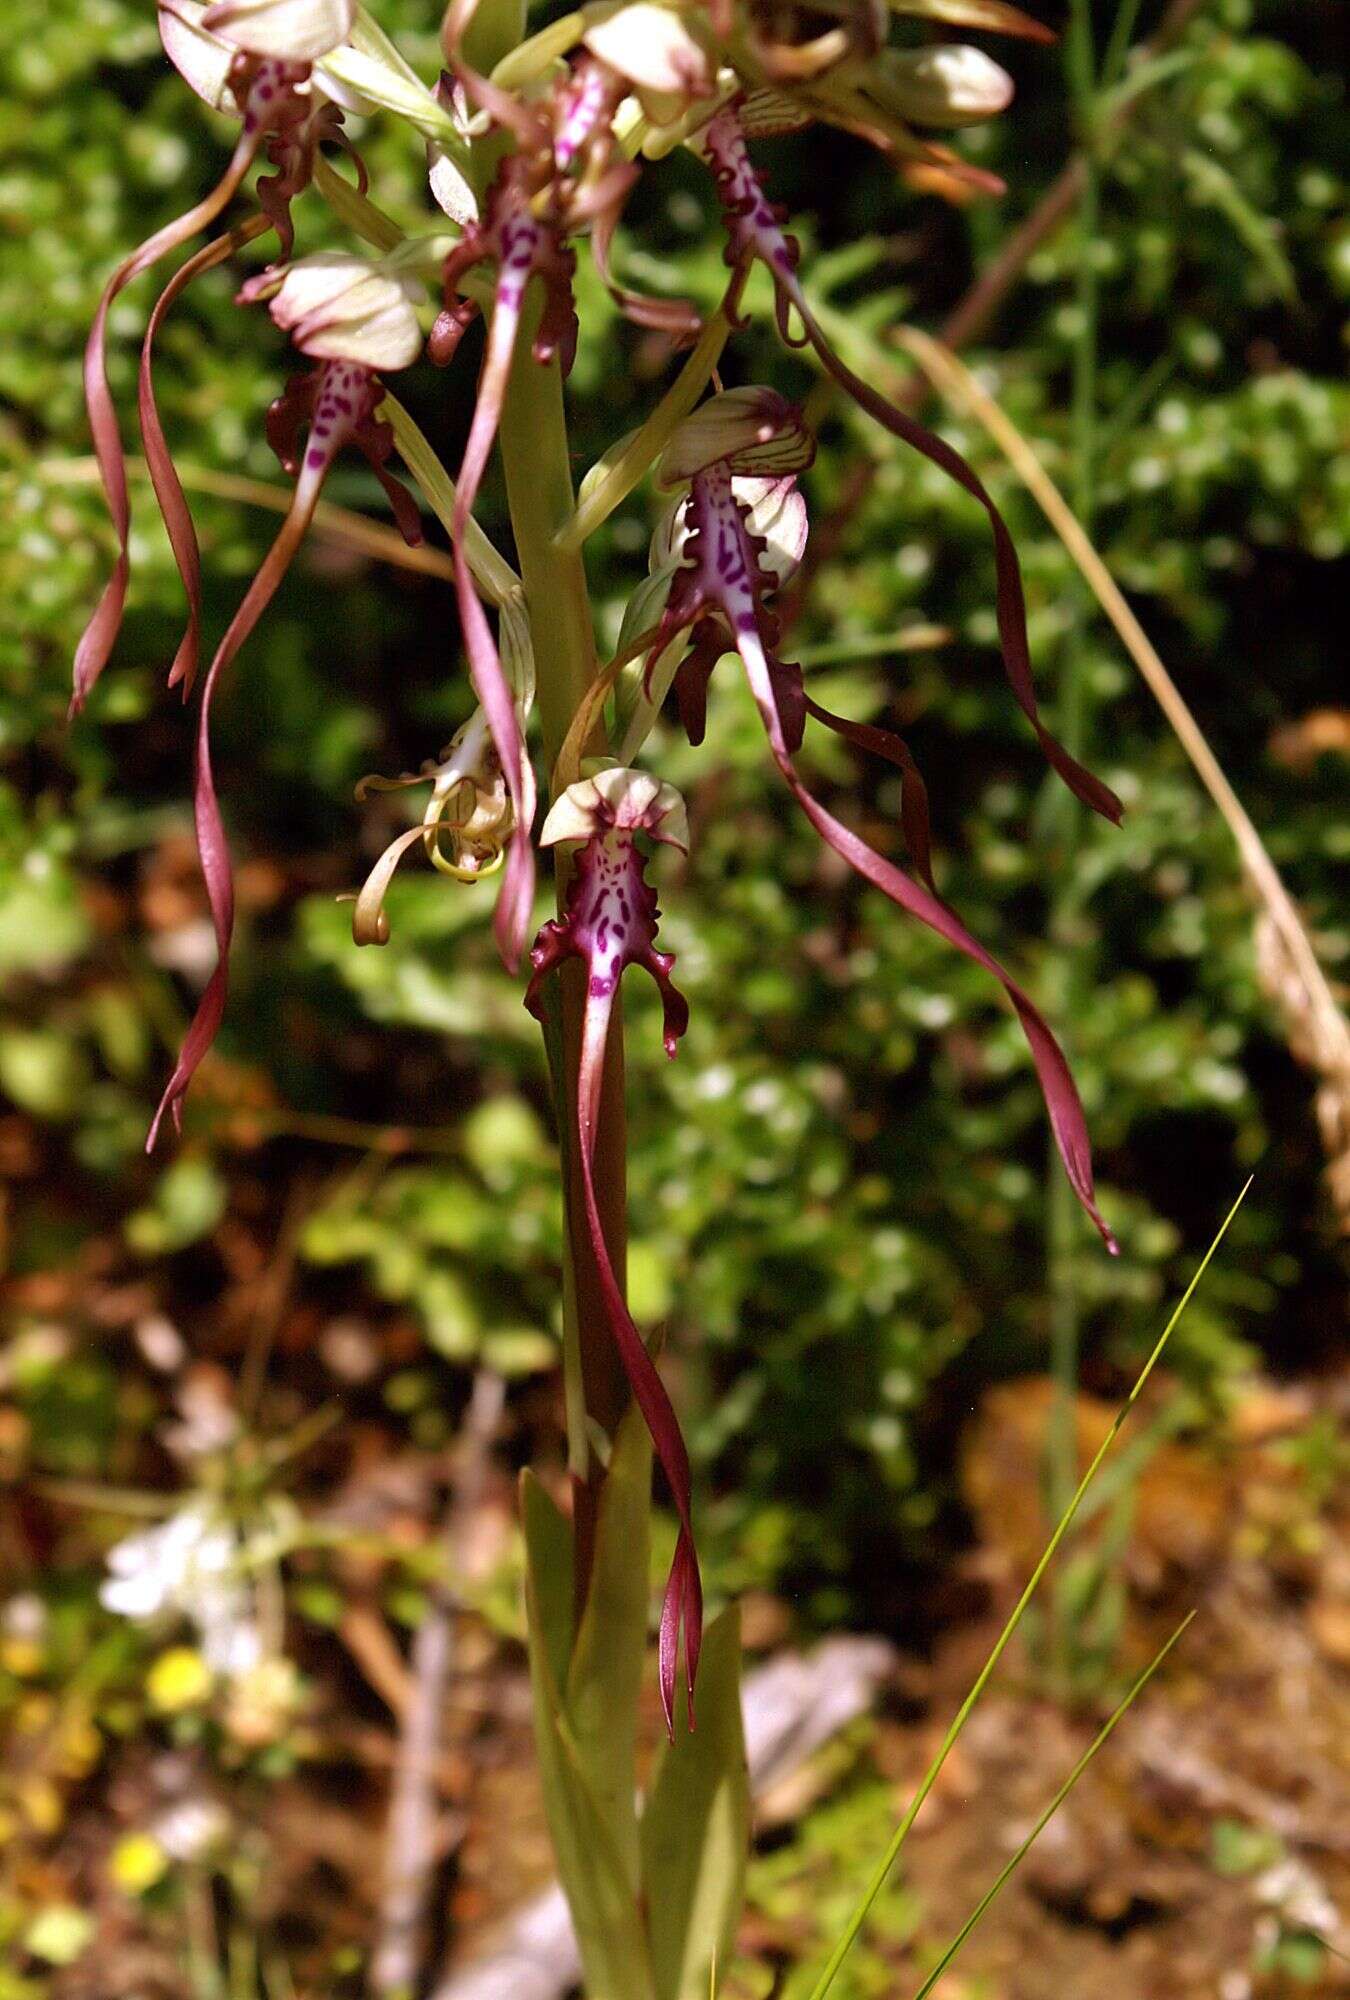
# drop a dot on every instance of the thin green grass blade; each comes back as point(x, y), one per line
point(848, 1937)
point(1001, 1879)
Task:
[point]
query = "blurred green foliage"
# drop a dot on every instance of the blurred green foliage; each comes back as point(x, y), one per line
point(839, 1188)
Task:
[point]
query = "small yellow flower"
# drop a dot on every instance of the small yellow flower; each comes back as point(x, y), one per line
point(179, 1679)
point(79, 1747)
point(21, 1657)
point(40, 1803)
point(137, 1863)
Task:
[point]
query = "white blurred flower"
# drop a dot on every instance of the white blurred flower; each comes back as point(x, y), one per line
point(187, 1567)
point(207, 1421)
point(190, 1827)
point(24, 1617)
point(1297, 1896)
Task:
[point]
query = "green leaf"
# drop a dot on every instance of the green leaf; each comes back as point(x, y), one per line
point(548, 1574)
point(696, 1829)
point(600, 1889)
point(44, 1071)
point(188, 1202)
point(605, 1678)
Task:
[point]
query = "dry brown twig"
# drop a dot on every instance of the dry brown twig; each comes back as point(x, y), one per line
point(410, 1849)
point(336, 524)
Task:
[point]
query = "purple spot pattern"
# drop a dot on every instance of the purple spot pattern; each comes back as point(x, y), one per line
point(344, 397)
point(269, 92)
point(581, 114)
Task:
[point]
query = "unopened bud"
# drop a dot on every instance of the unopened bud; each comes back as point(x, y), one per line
point(948, 85)
point(203, 60)
point(653, 47)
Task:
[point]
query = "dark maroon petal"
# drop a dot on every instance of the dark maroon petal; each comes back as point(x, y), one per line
point(754, 231)
point(682, 1604)
point(494, 691)
point(610, 923)
point(1011, 599)
point(164, 478)
point(885, 743)
point(214, 852)
point(452, 323)
point(376, 440)
point(287, 415)
point(1057, 1084)
point(330, 431)
point(100, 635)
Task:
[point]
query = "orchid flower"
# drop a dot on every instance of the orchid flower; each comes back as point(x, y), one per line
point(610, 923)
point(468, 818)
point(469, 809)
point(252, 57)
point(562, 177)
point(754, 230)
point(719, 591)
point(337, 403)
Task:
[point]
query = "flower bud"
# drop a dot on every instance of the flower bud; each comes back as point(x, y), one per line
point(653, 47)
point(618, 798)
point(295, 30)
point(947, 85)
point(752, 430)
point(338, 307)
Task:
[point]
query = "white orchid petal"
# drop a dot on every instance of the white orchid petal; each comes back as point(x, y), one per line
point(450, 187)
point(654, 48)
point(752, 430)
point(292, 30)
point(947, 85)
point(622, 797)
point(338, 307)
point(777, 514)
point(202, 60)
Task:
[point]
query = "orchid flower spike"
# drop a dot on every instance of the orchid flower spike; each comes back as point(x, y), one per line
point(336, 405)
point(609, 924)
point(719, 593)
point(253, 58)
point(562, 176)
point(754, 231)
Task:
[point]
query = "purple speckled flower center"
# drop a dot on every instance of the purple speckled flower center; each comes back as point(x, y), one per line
point(752, 222)
point(582, 115)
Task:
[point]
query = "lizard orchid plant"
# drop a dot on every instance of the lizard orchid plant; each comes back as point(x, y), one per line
point(534, 144)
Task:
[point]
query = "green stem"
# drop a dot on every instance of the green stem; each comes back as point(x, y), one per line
point(637, 454)
point(1063, 1234)
point(536, 461)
